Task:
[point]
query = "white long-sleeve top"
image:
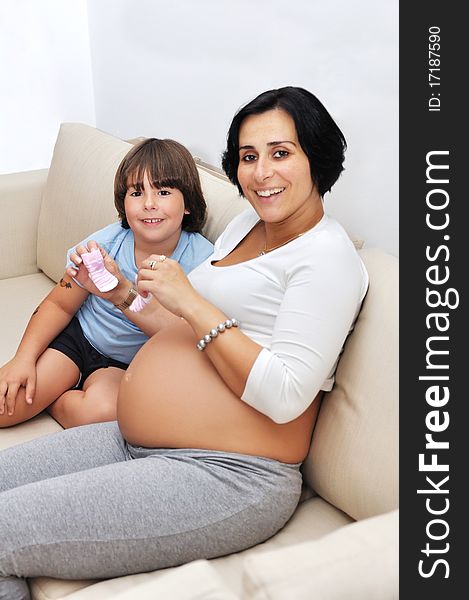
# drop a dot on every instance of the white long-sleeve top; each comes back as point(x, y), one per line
point(298, 302)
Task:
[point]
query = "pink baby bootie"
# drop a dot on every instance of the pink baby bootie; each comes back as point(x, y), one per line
point(139, 303)
point(98, 273)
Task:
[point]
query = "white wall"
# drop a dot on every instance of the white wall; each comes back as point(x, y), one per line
point(45, 77)
point(181, 69)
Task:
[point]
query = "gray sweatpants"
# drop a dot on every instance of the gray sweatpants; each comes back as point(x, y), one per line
point(83, 503)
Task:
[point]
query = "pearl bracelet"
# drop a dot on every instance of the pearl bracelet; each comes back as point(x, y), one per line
point(220, 328)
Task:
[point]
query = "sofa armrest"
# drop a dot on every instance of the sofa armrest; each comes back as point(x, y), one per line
point(20, 203)
point(197, 580)
point(357, 561)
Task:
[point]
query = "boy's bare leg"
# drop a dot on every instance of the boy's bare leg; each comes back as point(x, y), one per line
point(55, 374)
point(96, 403)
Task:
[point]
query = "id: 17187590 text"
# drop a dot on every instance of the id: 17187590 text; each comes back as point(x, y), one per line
point(434, 102)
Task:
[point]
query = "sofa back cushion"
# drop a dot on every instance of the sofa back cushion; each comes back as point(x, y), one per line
point(222, 197)
point(353, 460)
point(78, 198)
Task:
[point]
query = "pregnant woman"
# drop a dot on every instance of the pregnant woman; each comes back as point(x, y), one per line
point(215, 412)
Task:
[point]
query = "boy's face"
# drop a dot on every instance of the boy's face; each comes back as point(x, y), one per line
point(154, 214)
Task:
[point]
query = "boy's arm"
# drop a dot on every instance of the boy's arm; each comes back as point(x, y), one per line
point(48, 320)
point(152, 318)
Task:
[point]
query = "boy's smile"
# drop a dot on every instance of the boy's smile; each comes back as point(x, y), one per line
point(152, 221)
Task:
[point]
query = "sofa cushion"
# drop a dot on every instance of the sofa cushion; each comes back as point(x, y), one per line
point(194, 581)
point(353, 460)
point(78, 197)
point(20, 296)
point(20, 195)
point(356, 562)
point(222, 197)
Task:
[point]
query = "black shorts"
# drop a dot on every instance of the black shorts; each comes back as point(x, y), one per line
point(72, 343)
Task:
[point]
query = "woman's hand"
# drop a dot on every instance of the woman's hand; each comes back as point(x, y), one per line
point(232, 355)
point(165, 279)
point(81, 275)
point(16, 373)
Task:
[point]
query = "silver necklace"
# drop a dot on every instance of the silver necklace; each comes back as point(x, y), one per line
point(265, 250)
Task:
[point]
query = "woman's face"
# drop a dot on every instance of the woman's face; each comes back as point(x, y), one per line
point(273, 170)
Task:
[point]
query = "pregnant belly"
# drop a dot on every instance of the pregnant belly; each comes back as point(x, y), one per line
point(171, 396)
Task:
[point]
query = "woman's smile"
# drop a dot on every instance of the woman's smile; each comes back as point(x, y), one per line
point(270, 194)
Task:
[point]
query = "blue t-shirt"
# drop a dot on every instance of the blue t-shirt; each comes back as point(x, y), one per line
point(106, 327)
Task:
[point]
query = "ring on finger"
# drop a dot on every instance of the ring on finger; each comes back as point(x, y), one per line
point(152, 264)
point(161, 258)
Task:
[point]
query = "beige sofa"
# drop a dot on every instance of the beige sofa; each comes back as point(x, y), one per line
point(342, 541)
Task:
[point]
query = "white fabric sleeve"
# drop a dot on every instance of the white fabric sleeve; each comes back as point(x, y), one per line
point(318, 309)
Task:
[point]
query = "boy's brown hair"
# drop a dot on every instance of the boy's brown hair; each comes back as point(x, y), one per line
point(167, 163)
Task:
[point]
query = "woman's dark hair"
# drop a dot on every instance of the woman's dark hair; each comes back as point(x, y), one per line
point(167, 164)
point(319, 136)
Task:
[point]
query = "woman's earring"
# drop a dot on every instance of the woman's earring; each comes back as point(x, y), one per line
point(187, 212)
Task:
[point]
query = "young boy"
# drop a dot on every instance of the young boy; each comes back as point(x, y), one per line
point(79, 341)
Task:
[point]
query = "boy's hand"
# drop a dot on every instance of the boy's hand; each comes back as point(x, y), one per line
point(80, 272)
point(15, 374)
